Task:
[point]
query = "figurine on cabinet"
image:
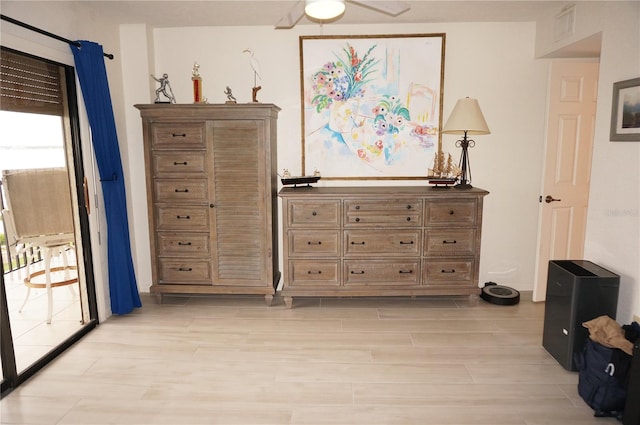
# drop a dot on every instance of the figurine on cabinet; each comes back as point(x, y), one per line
point(164, 86)
point(230, 98)
point(255, 67)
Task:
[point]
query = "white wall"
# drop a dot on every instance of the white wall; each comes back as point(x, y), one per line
point(493, 62)
point(488, 61)
point(613, 222)
point(136, 55)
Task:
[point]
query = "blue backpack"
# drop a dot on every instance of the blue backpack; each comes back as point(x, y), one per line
point(605, 393)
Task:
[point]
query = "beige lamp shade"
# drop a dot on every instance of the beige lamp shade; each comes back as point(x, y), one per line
point(324, 9)
point(466, 117)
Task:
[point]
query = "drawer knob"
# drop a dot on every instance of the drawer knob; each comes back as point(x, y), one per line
point(449, 242)
point(406, 243)
point(357, 272)
point(314, 213)
point(182, 190)
point(179, 163)
point(357, 219)
point(452, 212)
point(179, 135)
point(405, 271)
point(408, 218)
point(183, 217)
point(314, 272)
point(184, 243)
point(211, 205)
point(357, 207)
point(448, 271)
point(185, 269)
point(314, 243)
point(408, 207)
point(357, 243)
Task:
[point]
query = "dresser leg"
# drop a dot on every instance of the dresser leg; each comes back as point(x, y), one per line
point(288, 301)
point(268, 299)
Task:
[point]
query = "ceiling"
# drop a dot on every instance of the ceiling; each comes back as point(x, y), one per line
point(190, 13)
point(265, 12)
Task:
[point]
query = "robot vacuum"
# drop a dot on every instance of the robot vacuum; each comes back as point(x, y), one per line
point(500, 295)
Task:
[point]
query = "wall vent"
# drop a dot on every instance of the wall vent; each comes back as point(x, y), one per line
point(565, 23)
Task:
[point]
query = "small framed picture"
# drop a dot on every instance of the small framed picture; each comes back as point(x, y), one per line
point(625, 111)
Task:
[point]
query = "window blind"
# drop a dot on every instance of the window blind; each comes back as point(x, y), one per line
point(31, 85)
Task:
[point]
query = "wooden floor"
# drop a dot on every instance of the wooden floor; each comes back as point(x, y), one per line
point(232, 360)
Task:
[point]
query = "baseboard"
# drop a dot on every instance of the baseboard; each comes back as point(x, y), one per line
point(526, 295)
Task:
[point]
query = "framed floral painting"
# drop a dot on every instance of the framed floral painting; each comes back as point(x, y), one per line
point(371, 105)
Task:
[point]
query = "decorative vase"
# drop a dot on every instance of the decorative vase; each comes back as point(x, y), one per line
point(342, 115)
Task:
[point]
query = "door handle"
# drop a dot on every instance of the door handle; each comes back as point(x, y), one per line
point(85, 190)
point(549, 199)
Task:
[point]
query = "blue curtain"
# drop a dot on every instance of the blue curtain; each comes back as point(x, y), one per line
point(92, 74)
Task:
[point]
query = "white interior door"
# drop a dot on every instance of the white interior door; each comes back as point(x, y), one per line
point(565, 190)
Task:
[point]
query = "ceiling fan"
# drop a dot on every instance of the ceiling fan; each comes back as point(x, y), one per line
point(389, 7)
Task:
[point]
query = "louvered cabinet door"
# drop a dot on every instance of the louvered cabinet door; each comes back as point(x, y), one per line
point(239, 193)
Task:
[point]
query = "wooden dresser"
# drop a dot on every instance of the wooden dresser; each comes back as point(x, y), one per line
point(375, 241)
point(212, 192)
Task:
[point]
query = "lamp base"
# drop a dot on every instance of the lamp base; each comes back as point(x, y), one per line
point(465, 175)
point(463, 186)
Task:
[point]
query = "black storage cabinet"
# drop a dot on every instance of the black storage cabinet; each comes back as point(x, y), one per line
point(577, 291)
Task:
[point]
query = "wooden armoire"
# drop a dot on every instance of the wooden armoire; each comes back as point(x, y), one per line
point(211, 192)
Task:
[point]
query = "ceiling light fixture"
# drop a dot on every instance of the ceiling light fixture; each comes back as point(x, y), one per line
point(324, 9)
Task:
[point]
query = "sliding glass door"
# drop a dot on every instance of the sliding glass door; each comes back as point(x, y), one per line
point(48, 298)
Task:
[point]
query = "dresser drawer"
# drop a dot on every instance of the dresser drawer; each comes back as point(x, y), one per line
point(314, 213)
point(314, 243)
point(316, 272)
point(393, 212)
point(186, 272)
point(382, 242)
point(374, 272)
point(179, 163)
point(462, 212)
point(447, 242)
point(448, 272)
point(182, 218)
point(181, 190)
point(177, 135)
point(183, 245)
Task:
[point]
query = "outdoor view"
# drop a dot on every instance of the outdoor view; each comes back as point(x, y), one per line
point(31, 141)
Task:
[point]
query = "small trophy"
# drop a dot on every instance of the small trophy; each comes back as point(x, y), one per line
point(197, 83)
